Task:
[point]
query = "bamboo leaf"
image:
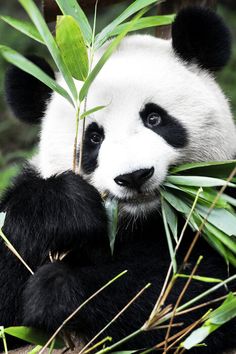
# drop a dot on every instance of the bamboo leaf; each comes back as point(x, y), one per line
point(91, 111)
point(198, 181)
point(71, 43)
point(26, 65)
point(176, 203)
point(222, 219)
point(146, 22)
point(31, 335)
point(172, 220)
point(106, 55)
point(219, 169)
point(35, 349)
point(72, 8)
point(222, 237)
point(169, 240)
point(48, 39)
point(24, 26)
point(111, 206)
point(200, 278)
point(196, 337)
point(129, 11)
point(224, 312)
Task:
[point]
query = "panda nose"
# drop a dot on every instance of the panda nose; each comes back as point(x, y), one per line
point(136, 179)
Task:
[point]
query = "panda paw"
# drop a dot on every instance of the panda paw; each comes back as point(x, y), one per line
point(57, 214)
point(50, 296)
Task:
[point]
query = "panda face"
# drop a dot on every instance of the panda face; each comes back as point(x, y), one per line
point(158, 112)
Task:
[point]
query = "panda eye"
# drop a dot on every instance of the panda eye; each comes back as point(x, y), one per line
point(153, 120)
point(95, 138)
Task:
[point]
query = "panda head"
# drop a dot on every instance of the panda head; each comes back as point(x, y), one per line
point(162, 108)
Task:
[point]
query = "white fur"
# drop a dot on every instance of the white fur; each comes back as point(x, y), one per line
point(143, 69)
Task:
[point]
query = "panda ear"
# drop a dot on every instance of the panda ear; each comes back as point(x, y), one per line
point(26, 95)
point(200, 36)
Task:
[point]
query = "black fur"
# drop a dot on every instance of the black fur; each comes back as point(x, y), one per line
point(26, 95)
point(65, 212)
point(199, 35)
point(170, 128)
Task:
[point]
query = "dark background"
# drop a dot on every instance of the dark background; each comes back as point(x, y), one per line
point(17, 140)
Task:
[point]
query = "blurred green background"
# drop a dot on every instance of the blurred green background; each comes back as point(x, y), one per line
point(17, 140)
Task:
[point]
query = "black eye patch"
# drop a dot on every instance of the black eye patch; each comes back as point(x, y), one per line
point(94, 136)
point(169, 128)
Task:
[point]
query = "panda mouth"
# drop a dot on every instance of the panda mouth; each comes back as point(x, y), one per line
point(140, 199)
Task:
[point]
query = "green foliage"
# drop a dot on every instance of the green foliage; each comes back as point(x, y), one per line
point(71, 43)
point(181, 192)
point(32, 335)
point(223, 314)
point(23, 26)
point(72, 8)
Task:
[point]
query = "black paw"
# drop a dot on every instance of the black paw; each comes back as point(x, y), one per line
point(58, 214)
point(50, 296)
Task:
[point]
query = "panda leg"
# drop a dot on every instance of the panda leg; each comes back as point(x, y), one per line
point(56, 290)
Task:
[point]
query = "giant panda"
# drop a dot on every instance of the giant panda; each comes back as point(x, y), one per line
point(163, 107)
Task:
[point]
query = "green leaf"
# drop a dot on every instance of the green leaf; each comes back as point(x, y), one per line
point(198, 181)
point(129, 11)
point(224, 312)
point(172, 220)
point(222, 237)
point(32, 335)
point(36, 349)
point(169, 240)
point(71, 43)
point(111, 206)
point(91, 111)
point(26, 65)
point(72, 8)
point(106, 55)
point(25, 27)
point(229, 199)
point(219, 169)
point(146, 22)
point(176, 202)
point(48, 39)
point(222, 219)
point(218, 246)
point(200, 278)
point(196, 337)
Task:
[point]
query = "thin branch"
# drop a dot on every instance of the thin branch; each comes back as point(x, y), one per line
point(179, 300)
point(173, 337)
point(191, 327)
point(210, 302)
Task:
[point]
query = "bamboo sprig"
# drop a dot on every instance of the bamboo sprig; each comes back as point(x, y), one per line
point(179, 300)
